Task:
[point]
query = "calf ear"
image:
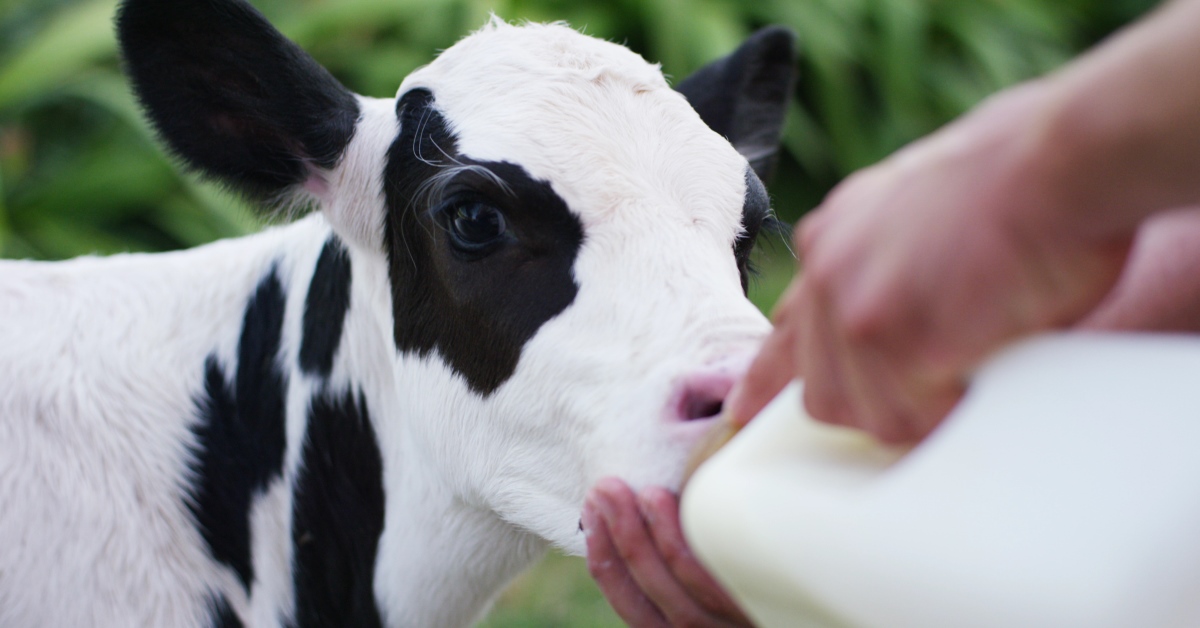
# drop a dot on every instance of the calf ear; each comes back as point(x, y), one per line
point(233, 97)
point(745, 95)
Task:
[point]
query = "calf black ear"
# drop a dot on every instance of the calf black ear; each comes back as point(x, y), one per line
point(231, 96)
point(745, 95)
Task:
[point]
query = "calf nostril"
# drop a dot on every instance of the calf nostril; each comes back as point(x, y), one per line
point(701, 393)
point(701, 406)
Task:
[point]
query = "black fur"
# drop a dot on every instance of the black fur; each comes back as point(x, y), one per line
point(325, 309)
point(222, 615)
point(745, 95)
point(337, 516)
point(231, 95)
point(756, 211)
point(478, 312)
point(240, 436)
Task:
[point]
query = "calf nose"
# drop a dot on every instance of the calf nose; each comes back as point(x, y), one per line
point(701, 394)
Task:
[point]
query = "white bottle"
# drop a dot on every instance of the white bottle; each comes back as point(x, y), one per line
point(1063, 491)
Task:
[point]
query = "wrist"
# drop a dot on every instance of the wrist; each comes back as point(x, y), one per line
point(1118, 138)
point(1086, 166)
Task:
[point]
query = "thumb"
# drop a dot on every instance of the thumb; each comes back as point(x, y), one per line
point(770, 371)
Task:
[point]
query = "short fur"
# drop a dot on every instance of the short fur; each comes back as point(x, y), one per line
point(365, 417)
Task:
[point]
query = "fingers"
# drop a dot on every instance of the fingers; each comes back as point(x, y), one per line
point(849, 378)
point(857, 380)
point(770, 371)
point(660, 509)
point(860, 315)
point(634, 574)
point(612, 575)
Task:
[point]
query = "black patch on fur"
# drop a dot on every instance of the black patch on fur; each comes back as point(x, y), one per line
point(231, 96)
point(337, 515)
point(478, 312)
point(240, 436)
point(223, 615)
point(756, 210)
point(325, 309)
point(745, 95)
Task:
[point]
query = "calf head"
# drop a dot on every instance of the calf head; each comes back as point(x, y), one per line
point(565, 237)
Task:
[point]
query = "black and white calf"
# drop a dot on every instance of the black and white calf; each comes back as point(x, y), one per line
point(526, 273)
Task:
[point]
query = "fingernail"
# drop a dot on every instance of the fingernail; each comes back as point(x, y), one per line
point(607, 486)
point(646, 506)
point(589, 518)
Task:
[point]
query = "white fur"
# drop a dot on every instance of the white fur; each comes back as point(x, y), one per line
point(101, 360)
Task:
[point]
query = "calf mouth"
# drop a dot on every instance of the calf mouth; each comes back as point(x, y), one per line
point(717, 436)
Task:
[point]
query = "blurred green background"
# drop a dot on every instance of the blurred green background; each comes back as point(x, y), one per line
point(80, 171)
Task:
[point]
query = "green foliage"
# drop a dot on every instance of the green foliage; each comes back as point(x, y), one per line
point(81, 173)
point(79, 167)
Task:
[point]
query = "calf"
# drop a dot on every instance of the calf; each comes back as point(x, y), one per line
point(527, 272)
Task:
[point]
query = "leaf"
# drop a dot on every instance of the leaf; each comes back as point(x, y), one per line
point(76, 39)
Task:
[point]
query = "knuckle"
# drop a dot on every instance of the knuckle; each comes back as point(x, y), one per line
point(674, 554)
point(867, 322)
point(624, 535)
point(637, 555)
point(676, 562)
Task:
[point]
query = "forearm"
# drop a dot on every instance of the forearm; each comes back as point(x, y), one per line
point(1121, 138)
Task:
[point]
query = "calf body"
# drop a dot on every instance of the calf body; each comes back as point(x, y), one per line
point(526, 274)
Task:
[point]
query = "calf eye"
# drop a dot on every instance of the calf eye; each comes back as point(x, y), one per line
point(474, 227)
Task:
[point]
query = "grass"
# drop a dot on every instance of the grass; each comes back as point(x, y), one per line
point(557, 592)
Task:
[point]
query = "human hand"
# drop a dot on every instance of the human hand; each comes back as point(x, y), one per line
point(640, 560)
point(1015, 218)
point(1158, 289)
point(916, 269)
